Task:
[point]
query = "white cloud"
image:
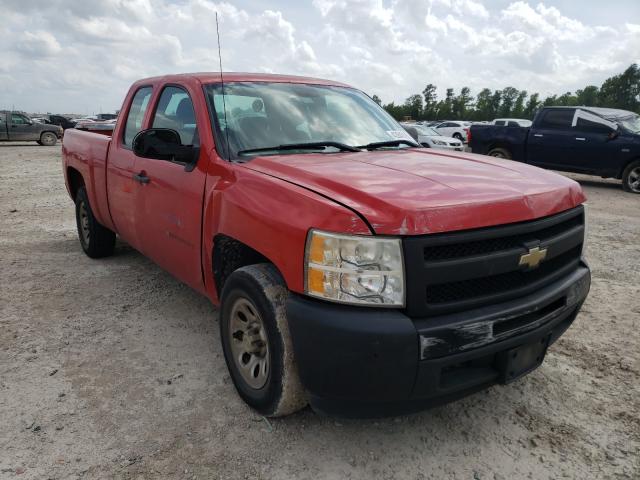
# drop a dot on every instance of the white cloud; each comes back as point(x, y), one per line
point(65, 55)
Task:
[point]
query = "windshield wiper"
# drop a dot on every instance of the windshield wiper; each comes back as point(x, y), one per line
point(388, 143)
point(302, 146)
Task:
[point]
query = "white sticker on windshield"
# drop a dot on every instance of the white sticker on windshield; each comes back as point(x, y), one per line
point(399, 134)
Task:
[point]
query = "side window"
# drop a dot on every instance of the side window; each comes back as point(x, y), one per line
point(500, 122)
point(556, 119)
point(588, 122)
point(136, 114)
point(2, 120)
point(175, 111)
point(513, 124)
point(18, 119)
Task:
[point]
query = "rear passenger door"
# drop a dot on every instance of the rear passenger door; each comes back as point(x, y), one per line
point(552, 142)
point(169, 205)
point(591, 136)
point(121, 185)
point(22, 129)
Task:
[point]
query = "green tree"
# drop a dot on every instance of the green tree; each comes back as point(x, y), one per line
point(483, 105)
point(494, 104)
point(518, 107)
point(461, 104)
point(376, 99)
point(588, 96)
point(567, 100)
point(430, 101)
point(413, 107)
point(622, 91)
point(509, 95)
point(532, 106)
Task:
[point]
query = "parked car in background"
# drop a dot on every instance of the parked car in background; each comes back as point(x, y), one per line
point(512, 122)
point(18, 127)
point(106, 116)
point(591, 140)
point(353, 270)
point(455, 129)
point(431, 138)
point(62, 121)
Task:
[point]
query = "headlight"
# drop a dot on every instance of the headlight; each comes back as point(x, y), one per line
point(439, 142)
point(354, 269)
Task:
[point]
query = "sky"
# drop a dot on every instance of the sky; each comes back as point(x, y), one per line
point(69, 56)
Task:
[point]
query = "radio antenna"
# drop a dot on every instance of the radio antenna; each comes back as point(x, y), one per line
point(224, 104)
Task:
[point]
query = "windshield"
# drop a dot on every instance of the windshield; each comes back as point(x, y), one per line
point(267, 115)
point(631, 123)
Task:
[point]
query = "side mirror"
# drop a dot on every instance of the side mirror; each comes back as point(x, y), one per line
point(613, 134)
point(164, 144)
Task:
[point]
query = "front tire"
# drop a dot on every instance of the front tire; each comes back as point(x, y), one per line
point(48, 139)
point(96, 241)
point(457, 136)
point(631, 177)
point(256, 342)
point(500, 153)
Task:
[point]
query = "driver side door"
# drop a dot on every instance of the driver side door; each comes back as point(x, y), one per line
point(21, 128)
point(169, 202)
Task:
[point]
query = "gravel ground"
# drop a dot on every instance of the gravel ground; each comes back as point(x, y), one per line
point(113, 369)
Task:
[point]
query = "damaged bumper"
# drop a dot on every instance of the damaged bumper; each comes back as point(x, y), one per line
point(363, 362)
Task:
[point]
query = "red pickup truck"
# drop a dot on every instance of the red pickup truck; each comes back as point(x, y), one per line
point(354, 270)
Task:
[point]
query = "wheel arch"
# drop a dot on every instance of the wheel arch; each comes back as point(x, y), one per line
point(230, 254)
point(75, 180)
point(625, 165)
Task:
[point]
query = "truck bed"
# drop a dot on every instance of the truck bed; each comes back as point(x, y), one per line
point(487, 137)
point(87, 153)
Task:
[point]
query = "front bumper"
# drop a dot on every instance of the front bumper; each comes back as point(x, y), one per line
point(367, 362)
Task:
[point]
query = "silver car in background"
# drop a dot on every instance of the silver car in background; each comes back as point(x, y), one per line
point(431, 138)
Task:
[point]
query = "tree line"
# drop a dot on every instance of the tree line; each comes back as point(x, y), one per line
point(620, 91)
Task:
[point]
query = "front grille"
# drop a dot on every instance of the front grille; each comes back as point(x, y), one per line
point(496, 284)
point(456, 271)
point(467, 249)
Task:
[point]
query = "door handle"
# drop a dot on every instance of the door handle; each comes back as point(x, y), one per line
point(141, 178)
point(538, 135)
point(582, 139)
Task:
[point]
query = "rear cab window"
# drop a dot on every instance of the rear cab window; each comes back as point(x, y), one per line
point(557, 119)
point(136, 113)
point(18, 119)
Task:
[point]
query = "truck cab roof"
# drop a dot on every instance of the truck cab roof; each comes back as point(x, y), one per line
point(214, 77)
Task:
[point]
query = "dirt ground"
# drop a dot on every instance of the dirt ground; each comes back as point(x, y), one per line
point(113, 369)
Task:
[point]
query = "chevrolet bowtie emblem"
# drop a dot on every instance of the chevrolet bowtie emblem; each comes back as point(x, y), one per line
point(534, 257)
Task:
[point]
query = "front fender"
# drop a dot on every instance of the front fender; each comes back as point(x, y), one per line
point(272, 216)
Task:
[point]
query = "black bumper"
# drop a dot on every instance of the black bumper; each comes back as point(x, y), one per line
point(365, 362)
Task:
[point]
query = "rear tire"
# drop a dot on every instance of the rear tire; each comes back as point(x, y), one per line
point(457, 136)
point(631, 177)
point(96, 241)
point(500, 153)
point(256, 342)
point(48, 139)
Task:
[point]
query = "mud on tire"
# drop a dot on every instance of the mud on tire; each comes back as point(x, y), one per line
point(254, 330)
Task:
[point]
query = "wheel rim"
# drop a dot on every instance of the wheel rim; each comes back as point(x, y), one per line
point(496, 154)
point(84, 224)
point(47, 139)
point(249, 343)
point(633, 180)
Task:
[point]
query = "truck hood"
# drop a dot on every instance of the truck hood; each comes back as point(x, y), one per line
point(417, 191)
